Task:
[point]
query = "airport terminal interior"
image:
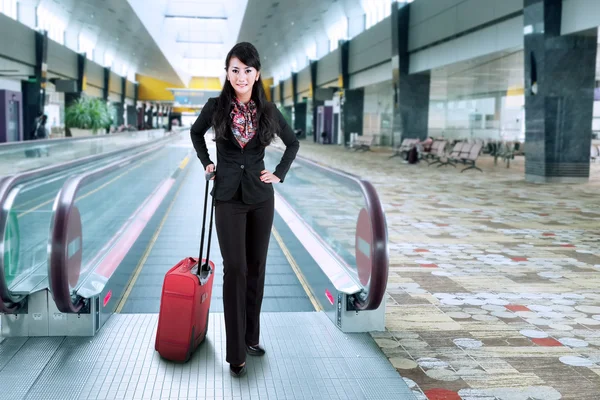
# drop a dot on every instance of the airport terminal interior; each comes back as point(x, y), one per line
point(437, 236)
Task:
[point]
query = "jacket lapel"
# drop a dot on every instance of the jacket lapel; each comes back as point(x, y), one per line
point(234, 140)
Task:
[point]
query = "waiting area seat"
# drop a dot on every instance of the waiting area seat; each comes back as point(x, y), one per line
point(404, 148)
point(463, 153)
point(362, 143)
point(437, 151)
point(594, 152)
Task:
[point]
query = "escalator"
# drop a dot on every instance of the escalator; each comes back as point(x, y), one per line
point(26, 207)
point(325, 283)
point(18, 157)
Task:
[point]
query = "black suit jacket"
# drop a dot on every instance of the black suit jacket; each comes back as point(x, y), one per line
point(237, 166)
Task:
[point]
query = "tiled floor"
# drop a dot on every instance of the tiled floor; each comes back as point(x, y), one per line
point(494, 286)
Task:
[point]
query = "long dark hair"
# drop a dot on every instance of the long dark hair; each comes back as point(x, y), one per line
point(267, 125)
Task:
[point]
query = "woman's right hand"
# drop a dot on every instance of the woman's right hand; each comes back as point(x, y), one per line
point(210, 169)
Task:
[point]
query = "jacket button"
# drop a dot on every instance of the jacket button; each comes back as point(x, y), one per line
point(241, 166)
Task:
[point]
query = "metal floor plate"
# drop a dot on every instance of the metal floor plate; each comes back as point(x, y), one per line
point(307, 358)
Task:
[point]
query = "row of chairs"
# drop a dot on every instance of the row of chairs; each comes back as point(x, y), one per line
point(595, 152)
point(404, 148)
point(463, 153)
point(361, 143)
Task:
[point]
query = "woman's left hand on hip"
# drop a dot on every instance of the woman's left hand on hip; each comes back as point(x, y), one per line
point(268, 177)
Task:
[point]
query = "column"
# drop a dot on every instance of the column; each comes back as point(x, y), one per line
point(136, 93)
point(353, 100)
point(34, 89)
point(150, 115)
point(122, 107)
point(411, 99)
point(299, 108)
point(106, 83)
point(139, 108)
point(281, 93)
point(71, 98)
point(313, 90)
point(559, 96)
point(294, 88)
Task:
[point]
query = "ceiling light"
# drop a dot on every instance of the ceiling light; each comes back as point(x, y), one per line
point(197, 41)
point(194, 17)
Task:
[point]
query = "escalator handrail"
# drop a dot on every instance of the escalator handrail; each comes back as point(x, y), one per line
point(5, 305)
point(10, 303)
point(44, 142)
point(63, 204)
point(380, 257)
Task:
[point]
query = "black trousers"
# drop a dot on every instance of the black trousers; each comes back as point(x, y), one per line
point(244, 231)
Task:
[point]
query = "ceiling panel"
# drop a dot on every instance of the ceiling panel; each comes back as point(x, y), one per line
point(114, 28)
point(282, 30)
point(206, 8)
point(193, 34)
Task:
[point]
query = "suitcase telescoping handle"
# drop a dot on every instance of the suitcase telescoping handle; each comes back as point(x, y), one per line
point(205, 267)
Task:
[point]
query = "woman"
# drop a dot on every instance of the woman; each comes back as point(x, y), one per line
point(244, 123)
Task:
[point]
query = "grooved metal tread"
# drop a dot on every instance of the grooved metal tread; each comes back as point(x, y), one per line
point(179, 238)
point(307, 358)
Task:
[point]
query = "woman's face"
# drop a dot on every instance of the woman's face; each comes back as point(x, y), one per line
point(242, 77)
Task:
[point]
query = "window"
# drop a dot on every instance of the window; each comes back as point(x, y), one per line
point(9, 7)
point(311, 51)
point(108, 60)
point(86, 46)
point(337, 32)
point(49, 22)
point(377, 10)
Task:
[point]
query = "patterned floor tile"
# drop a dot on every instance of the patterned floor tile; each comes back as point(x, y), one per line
point(493, 285)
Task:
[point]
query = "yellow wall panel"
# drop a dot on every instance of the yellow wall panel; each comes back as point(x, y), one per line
point(267, 83)
point(155, 89)
point(199, 82)
point(515, 91)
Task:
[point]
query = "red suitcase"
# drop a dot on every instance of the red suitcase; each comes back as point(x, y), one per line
point(185, 301)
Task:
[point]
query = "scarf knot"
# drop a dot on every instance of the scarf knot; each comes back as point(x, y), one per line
point(243, 121)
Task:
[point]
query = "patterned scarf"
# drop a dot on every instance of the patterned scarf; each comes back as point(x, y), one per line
point(243, 118)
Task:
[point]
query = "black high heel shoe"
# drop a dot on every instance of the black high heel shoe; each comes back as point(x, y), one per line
point(255, 350)
point(237, 371)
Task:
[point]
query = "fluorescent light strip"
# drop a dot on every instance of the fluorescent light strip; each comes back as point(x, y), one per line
point(197, 42)
point(195, 17)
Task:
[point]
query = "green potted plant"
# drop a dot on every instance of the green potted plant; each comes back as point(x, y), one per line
point(87, 116)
